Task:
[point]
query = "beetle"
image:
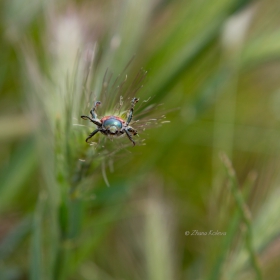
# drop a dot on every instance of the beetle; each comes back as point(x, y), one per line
point(112, 125)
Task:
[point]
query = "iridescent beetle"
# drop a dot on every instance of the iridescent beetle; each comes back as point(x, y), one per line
point(112, 125)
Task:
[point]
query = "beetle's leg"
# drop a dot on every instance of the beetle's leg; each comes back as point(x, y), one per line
point(130, 114)
point(92, 111)
point(95, 121)
point(92, 134)
point(132, 130)
point(129, 137)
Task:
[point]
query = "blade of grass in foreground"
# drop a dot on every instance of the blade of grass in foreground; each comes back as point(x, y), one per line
point(245, 214)
point(79, 249)
point(231, 232)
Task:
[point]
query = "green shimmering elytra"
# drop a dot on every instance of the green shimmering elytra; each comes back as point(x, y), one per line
point(112, 122)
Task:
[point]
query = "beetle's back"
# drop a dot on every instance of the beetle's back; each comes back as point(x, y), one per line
point(112, 124)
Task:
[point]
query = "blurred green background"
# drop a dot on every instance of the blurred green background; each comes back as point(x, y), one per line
point(215, 66)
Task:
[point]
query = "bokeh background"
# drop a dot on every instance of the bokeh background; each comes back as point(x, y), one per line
point(215, 67)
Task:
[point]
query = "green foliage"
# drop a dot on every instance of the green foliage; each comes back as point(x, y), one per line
point(70, 210)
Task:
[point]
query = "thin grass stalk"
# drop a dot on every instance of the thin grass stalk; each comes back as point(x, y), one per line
point(231, 232)
point(246, 216)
